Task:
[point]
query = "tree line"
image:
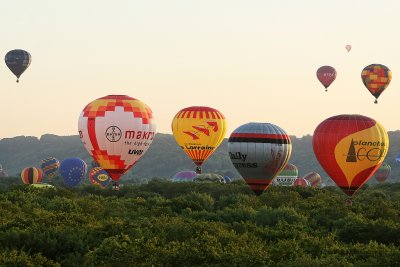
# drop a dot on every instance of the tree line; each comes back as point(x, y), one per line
point(198, 224)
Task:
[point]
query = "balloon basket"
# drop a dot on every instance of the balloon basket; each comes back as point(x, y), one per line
point(115, 186)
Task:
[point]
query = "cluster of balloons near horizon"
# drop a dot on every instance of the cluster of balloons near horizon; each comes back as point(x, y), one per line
point(18, 61)
point(289, 176)
point(375, 77)
point(72, 170)
point(117, 130)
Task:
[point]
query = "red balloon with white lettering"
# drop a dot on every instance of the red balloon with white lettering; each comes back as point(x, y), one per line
point(116, 130)
point(326, 75)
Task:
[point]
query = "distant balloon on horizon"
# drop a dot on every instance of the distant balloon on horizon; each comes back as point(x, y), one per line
point(348, 48)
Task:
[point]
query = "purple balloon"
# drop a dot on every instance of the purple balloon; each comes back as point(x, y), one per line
point(184, 176)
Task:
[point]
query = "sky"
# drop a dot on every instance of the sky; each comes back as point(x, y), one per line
point(254, 61)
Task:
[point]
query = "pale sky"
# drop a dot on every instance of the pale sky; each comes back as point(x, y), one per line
point(252, 60)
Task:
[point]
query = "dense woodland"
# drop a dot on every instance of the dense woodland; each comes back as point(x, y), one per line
point(198, 224)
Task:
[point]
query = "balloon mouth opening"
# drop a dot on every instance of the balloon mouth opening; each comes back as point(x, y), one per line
point(115, 174)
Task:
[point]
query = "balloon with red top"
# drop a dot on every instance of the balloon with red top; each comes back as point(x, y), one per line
point(350, 148)
point(116, 130)
point(382, 173)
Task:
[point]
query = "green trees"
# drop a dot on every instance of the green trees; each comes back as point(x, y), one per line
point(166, 224)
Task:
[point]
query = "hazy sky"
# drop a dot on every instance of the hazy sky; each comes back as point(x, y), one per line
point(251, 60)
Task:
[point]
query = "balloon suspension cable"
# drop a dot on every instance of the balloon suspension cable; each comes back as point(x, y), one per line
point(376, 101)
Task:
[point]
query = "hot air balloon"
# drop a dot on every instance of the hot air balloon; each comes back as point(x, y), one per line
point(382, 173)
point(227, 179)
point(73, 171)
point(42, 186)
point(348, 48)
point(199, 131)
point(376, 78)
point(209, 178)
point(18, 61)
point(3, 173)
point(50, 167)
point(301, 182)
point(326, 75)
point(350, 148)
point(184, 176)
point(99, 177)
point(287, 176)
point(116, 130)
point(31, 175)
point(313, 178)
point(398, 158)
point(259, 151)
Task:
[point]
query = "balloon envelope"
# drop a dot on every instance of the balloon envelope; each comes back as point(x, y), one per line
point(209, 178)
point(18, 61)
point(376, 78)
point(301, 182)
point(259, 151)
point(382, 173)
point(287, 176)
point(199, 131)
point(99, 177)
point(227, 179)
point(398, 158)
point(350, 148)
point(73, 171)
point(184, 176)
point(326, 75)
point(42, 185)
point(50, 167)
point(313, 178)
point(116, 130)
point(348, 48)
point(31, 175)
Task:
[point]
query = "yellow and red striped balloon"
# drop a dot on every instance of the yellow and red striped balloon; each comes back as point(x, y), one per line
point(199, 131)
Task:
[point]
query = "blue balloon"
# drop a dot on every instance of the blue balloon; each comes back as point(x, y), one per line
point(398, 158)
point(227, 179)
point(73, 171)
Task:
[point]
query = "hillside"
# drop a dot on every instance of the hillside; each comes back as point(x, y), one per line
point(163, 159)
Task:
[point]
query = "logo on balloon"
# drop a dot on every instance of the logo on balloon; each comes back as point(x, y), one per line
point(199, 129)
point(102, 177)
point(113, 134)
point(371, 153)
